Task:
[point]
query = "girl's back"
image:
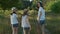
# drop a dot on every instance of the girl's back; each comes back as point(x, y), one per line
point(25, 21)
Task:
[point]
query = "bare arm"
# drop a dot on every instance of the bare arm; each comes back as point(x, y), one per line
point(38, 18)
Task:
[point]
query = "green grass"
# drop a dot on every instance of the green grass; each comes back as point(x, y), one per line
point(52, 21)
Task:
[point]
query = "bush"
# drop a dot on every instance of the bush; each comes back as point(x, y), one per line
point(48, 5)
point(56, 7)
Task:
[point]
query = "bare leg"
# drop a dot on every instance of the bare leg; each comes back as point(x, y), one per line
point(24, 32)
point(16, 30)
point(38, 28)
point(43, 29)
point(12, 30)
point(27, 31)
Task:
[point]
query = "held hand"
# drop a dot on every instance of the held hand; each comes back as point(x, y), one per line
point(37, 19)
point(30, 28)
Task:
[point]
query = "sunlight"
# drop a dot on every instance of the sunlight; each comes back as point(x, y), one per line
point(49, 18)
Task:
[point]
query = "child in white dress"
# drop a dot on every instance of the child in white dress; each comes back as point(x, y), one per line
point(14, 21)
point(25, 22)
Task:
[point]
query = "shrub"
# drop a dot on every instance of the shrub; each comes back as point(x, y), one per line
point(56, 7)
point(48, 5)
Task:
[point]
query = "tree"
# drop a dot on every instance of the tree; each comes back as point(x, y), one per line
point(7, 4)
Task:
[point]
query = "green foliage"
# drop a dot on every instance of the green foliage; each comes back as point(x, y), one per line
point(53, 6)
point(56, 7)
point(20, 4)
point(48, 5)
point(7, 4)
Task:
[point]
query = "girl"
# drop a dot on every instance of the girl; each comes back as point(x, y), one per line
point(41, 18)
point(14, 21)
point(25, 22)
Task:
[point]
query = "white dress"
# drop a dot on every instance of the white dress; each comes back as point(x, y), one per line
point(13, 18)
point(25, 23)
